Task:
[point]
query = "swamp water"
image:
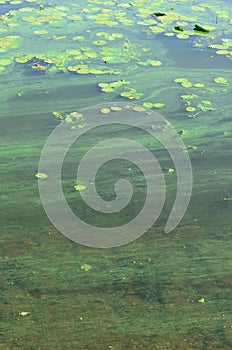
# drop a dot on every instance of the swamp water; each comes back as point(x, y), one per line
point(162, 291)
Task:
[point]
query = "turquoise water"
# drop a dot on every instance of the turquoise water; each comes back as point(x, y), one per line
point(162, 291)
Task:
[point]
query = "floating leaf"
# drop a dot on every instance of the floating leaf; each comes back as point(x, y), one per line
point(205, 108)
point(138, 109)
point(220, 80)
point(99, 42)
point(159, 14)
point(78, 38)
point(206, 102)
point(180, 80)
point(198, 8)
point(186, 84)
point(41, 175)
point(40, 32)
point(115, 108)
point(190, 109)
point(105, 110)
point(57, 115)
point(222, 52)
point(131, 94)
point(5, 61)
point(148, 105)
point(188, 97)
point(182, 36)
point(158, 105)
point(79, 187)
point(86, 267)
point(179, 28)
point(200, 29)
point(199, 85)
point(202, 300)
point(8, 42)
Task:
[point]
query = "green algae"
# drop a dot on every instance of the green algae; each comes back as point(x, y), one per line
point(44, 268)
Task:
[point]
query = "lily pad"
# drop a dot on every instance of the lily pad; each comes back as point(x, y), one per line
point(9, 42)
point(148, 105)
point(5, 61)
point(131, 94)
point(79, 187)
point(187, 84)
point(138, 109)
point(201, 29)
point(115, 108)
point(221, 80)
point(158, 105)
point(41, 175)
point(105, 110)
point(190, 109)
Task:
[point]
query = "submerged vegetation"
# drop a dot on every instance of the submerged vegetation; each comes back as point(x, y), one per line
point(162, 291)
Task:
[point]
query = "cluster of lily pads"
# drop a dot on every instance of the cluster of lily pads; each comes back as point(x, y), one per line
point(50, 24)
point(194, 103)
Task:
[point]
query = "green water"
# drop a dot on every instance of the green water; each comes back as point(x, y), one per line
point(147, 294)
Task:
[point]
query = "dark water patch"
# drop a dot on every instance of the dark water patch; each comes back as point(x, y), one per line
point(186, 56)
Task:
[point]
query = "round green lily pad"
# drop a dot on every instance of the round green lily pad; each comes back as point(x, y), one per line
point(190, 109)
point(99, 42)
point(220, 80)
point(105, 110)
point(186, 84)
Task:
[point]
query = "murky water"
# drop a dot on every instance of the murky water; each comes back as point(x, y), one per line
point(162, 291)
